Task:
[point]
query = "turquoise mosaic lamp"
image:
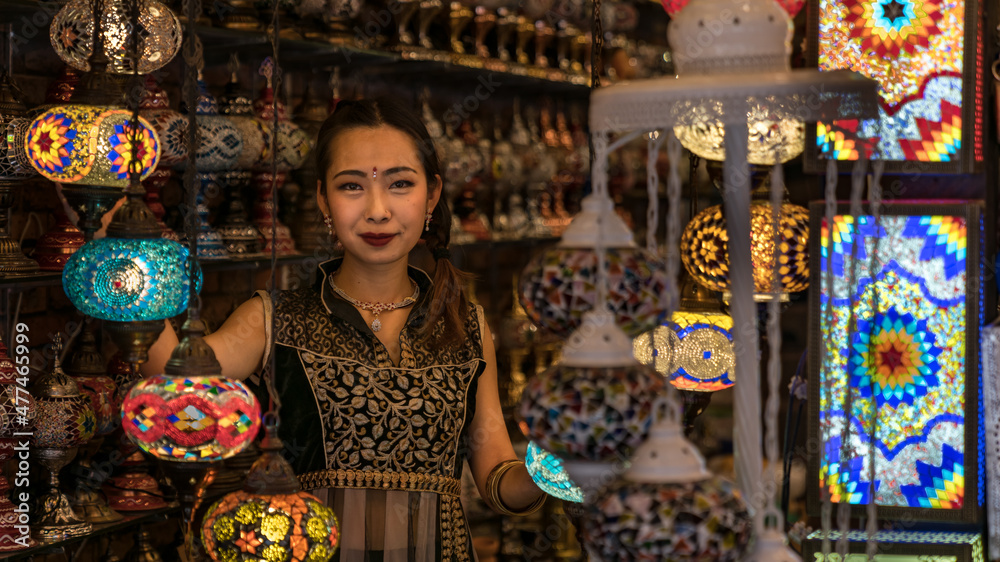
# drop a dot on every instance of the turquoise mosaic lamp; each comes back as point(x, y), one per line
point(550, 476)
point(132, 279)
point(129, 280)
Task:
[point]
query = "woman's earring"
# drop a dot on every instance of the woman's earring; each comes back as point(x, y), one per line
point(329, 224)
point(427, 222)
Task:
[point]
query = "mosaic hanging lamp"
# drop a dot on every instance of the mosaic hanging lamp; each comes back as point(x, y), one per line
point(596, 404)
point(10, 408)
point(239, 235)
point(14, 169)
point(191, 413)
point(132, 279)
point(705, 248)
point(64, 421)
point(270, 518)
point(72, 35)
point(694, 350)
point(763, 31)
point(57, 244)
point(558, 286)
point(86, 145)
point(667, 505)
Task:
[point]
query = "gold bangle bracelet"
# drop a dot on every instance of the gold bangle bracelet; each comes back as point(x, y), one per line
point(493, 498)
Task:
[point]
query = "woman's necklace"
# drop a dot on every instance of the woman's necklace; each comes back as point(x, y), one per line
point(376, 308)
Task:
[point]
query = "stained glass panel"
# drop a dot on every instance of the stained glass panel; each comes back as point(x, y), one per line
point(923, 54)
point(904, 363)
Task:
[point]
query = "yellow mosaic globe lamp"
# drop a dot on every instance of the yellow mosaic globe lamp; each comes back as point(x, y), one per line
point(86, 145)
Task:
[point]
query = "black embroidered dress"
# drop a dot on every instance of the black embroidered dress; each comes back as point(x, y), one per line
point(384, 443)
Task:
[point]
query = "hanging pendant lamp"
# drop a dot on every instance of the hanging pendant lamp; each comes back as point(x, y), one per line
point(72, 34)
point(560, 285)
point(595, 406)
point(270, 518)
point(667, 506)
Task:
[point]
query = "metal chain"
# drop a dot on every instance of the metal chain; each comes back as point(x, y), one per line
point(600, 188)
point(193, 60)
point(772, 405)
point(134, 131)
point(674, 153)
point(652, 190)
point(596, 46)
point(275, 132)
point(830, 211)
point(875, 202)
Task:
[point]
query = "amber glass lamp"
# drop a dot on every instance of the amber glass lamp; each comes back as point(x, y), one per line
point(14, 169)
point(705, 247)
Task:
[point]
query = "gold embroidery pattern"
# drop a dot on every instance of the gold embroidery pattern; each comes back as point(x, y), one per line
point(374, 479)
point(396, 420)
point(454, 539)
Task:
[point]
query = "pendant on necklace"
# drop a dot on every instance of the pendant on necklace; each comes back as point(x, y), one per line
point(376, 324)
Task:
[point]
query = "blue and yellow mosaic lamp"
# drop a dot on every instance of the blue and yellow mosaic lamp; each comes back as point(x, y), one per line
point(88, 145)
point(694, 350)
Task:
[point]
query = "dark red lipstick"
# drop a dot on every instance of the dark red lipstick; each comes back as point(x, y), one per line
point(376, 239)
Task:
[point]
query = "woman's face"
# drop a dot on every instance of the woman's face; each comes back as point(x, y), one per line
point(377, 193)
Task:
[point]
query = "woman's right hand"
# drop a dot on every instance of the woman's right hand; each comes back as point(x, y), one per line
point(239, 344)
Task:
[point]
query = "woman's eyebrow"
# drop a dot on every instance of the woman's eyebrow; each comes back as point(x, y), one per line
point(399, 169)
point(361, 174)
point(358, 173)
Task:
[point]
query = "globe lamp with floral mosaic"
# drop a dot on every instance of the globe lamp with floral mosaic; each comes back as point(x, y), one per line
point(559, 285)
point(271, 518)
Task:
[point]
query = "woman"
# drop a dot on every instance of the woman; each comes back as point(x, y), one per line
point(387, 378)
